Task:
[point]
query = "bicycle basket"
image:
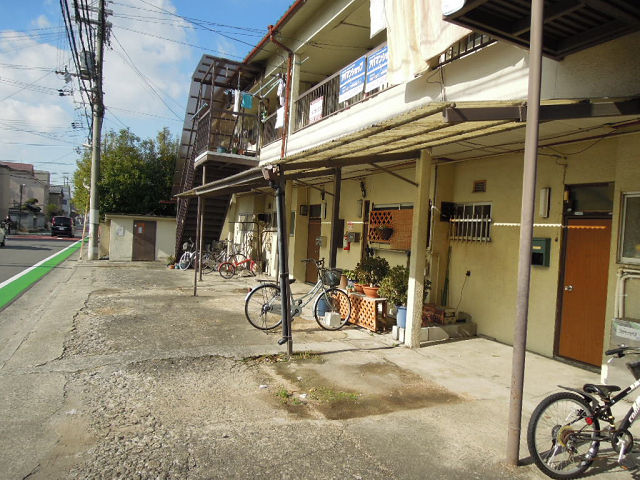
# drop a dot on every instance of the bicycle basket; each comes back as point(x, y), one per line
point(634, 368)
point(186, 246)
point(331, 276)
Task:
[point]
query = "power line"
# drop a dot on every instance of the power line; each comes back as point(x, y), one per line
point(178, 42)
point(200, 24)
point(143, 77)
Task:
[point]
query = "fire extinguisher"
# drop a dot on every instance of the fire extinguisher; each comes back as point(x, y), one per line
point(346, 244)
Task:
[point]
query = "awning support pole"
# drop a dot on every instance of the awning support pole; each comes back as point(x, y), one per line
point(195, 247)
point(336, 233)
point(276, 180)
point(526, 233)
point(417, 260)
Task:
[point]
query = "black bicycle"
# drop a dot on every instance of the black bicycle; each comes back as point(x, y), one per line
point(564, 431)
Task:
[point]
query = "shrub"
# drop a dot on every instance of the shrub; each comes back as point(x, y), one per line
point(395, 285)
point(371, 270)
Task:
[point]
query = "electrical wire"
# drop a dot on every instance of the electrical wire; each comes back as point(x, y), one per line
point(25, 86)
point(132, 64)
point(220, 52)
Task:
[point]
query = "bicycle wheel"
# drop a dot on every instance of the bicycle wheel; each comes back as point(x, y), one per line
point(208, 265)
point(185, 261)
point(227, 270)
point(263, 307)
point(332, 300)
point(562, 435)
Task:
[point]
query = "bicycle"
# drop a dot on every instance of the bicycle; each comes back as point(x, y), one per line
point(263, 307)
point(189, 255)
point(564, 432)
point(229, 269)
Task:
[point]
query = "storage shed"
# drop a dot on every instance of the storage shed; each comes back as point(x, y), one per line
point(140, 238)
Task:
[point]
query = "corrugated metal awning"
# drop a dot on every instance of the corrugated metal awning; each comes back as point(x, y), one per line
point(453, 132)
point(569, 25)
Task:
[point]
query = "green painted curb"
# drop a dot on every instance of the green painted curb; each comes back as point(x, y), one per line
point(19, 285)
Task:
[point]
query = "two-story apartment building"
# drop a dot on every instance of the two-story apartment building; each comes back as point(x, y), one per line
point(390, 125)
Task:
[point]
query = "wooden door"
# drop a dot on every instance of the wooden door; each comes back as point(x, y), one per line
point(144, 240)
point(584, 291)
point(313, 249)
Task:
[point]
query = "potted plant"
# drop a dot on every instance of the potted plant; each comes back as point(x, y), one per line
point(171, 260)
point(347, 277)
point(385, 231)
point(370, 272)
point(395, 287)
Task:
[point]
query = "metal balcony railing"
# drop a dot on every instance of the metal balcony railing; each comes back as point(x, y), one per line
point(225, 131)
point(326, 93)
point(270, 133)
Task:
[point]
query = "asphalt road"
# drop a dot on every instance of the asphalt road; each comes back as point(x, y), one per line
point(22, 253)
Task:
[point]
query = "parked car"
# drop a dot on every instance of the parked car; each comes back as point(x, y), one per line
point(61, 226)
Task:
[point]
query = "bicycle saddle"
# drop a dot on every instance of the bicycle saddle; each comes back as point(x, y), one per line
point(602, 390)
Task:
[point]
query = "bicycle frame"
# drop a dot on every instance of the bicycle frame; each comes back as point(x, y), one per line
point(632, 414)
point(297, 304)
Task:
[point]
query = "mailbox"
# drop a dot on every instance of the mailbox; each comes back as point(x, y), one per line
point(540, 251)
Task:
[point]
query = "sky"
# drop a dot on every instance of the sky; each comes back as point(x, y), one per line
point(153, 49)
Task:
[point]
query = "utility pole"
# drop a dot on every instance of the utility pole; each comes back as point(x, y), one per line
point(98, 114)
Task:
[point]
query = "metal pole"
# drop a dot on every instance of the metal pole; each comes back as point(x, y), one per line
point(336, 233)
point(526, 233)
point(196, 247)
point(98, 114)
point(277, 183)
point(20, 208)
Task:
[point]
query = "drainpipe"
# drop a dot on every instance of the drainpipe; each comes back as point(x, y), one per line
point(287, 101)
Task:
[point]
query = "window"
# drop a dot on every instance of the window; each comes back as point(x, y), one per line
point(630, 229)
point(471, 222)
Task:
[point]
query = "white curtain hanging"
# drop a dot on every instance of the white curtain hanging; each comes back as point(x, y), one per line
point(416, 33)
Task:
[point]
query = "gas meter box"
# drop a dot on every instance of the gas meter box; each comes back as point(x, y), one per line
point(353, 237)
point(540, 251)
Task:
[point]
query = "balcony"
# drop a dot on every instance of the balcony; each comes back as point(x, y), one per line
point(223, 133)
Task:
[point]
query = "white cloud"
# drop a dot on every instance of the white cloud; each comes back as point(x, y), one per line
point(41, 22)
point(140, 38)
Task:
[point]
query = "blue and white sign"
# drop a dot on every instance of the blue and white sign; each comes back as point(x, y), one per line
point(377, 64)
point(352, 80)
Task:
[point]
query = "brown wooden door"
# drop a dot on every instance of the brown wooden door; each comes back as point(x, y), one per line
point(313, 250)
point(584, 293)
point(144, 240)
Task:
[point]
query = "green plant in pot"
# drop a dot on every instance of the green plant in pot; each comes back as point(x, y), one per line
point(370, 272)
point(395, 287)
point(347, 278)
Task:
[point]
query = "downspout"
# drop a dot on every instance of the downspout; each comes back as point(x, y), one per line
point(287, 101)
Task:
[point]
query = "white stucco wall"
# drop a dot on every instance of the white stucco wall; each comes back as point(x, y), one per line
point(121, 239)
point(497, 72)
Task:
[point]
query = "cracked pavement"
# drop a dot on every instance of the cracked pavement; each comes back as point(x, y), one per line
point(114, 370)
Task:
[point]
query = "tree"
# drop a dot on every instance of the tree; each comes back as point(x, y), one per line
point(135, 175)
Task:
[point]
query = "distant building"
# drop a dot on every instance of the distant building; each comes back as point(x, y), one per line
point(20, 181)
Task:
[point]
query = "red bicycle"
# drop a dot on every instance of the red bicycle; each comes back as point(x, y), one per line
point(229, 269)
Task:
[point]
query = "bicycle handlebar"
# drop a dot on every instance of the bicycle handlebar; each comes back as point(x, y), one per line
point(319, 263)
point(621, 351)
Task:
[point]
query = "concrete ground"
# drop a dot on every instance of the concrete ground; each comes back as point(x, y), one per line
point(114, 370)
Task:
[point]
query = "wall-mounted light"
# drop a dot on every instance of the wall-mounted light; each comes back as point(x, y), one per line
point(359, 204)
point(545, 196)
point(323, 210)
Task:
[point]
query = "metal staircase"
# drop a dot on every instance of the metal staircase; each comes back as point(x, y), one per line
point(216, 137)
